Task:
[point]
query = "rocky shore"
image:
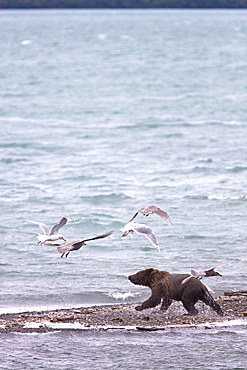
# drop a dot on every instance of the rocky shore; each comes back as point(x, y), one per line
point(124, 316)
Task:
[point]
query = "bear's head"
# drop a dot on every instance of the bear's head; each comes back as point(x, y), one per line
point(148, 277)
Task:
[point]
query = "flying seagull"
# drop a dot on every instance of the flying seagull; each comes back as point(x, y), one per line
point(143, 229)
point(50, 236)
point(77, 244)
point(203, 273)
point(146, 211)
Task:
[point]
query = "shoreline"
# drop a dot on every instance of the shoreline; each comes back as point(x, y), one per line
point(124, 316)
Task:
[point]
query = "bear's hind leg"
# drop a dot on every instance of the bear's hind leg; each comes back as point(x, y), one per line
point(208, 300)
point(189, 306)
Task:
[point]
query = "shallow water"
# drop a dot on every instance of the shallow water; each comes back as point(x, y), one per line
point(102, 113)
point(173, 349)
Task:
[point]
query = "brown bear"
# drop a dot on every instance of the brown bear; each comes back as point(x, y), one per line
point(168, 287)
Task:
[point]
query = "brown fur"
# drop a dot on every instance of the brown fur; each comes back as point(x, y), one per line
point(168, 287)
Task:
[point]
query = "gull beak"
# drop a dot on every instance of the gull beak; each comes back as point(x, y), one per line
point(126, 233)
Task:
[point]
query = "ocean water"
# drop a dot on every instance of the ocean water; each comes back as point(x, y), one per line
point(102, 113)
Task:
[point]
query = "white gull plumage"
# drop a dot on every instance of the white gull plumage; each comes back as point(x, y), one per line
point(51, 235)
point(143, 229)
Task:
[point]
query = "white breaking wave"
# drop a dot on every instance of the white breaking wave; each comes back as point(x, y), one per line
point(122, 295)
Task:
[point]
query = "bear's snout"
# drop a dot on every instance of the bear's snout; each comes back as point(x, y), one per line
point(136, 279)
point(132, 279)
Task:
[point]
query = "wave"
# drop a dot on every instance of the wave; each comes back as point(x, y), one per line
point(123, 295)
point(236, 169)
point(211, 197)
point(222, 197)
point(58, 301)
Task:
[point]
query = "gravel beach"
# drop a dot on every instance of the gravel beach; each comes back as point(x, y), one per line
point(124, 316)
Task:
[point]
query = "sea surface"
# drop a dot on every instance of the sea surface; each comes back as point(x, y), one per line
point(103, 112)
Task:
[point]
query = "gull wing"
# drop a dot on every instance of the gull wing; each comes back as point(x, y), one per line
point(148, 232)
point(219, 264)
point(141, 228)
point(187, 279)
point(43, 226)
point(79, 243)
point(100, 236)
point(211, 272)
point(197, 273)
point(55, 228)
point(134, 216)
point(153, 209)
point(152, 238)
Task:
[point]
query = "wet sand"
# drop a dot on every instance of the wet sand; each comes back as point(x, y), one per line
point(124, 316)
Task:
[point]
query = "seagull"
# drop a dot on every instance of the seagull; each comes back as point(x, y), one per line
point(244, 196)
point(143, 229)
point(77, 244)
point(153, 209)
point(50, 236)
point(203, 273)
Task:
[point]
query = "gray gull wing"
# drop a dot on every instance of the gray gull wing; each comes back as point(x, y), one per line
point(153, 209)
point(55, 228)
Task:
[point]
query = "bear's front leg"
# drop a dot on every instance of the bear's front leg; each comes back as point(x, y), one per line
point(166, 303)
point(151, 302)
point(139, 308)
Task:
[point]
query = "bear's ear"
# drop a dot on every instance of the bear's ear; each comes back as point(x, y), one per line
point(150, 270)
